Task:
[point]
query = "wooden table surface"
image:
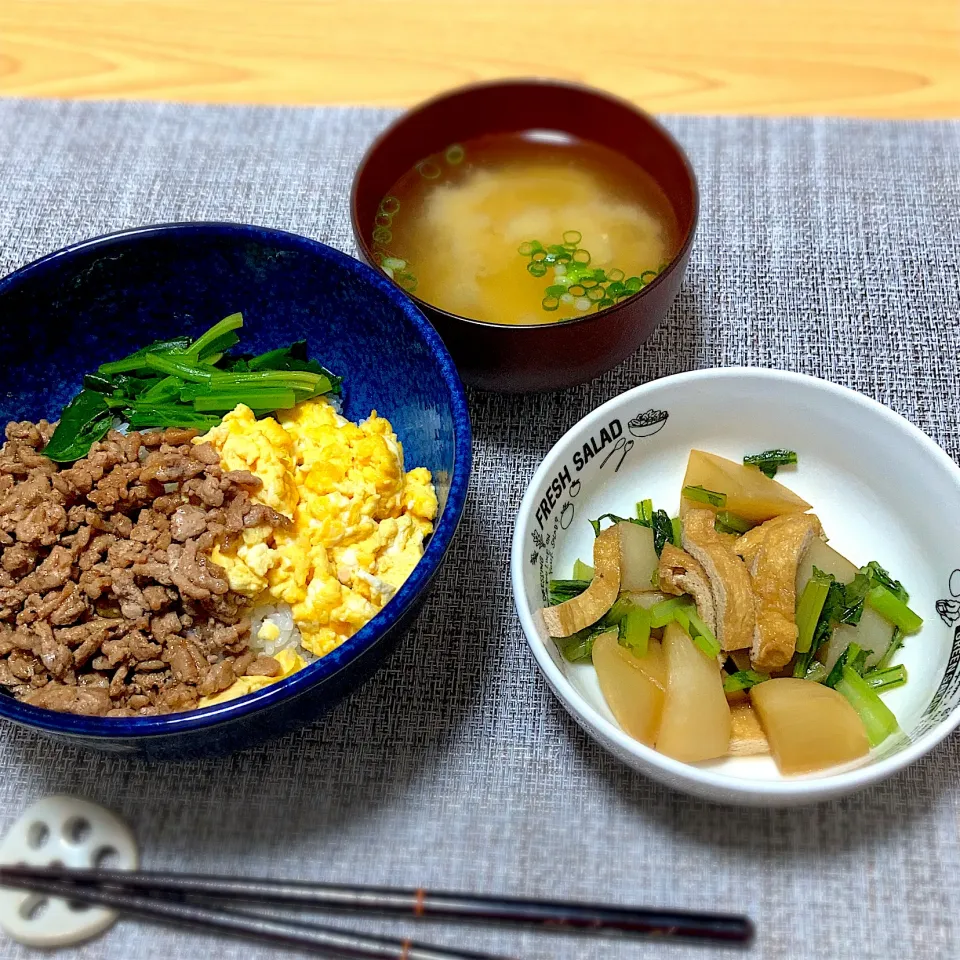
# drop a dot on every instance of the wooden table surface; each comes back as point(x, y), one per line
point(876, 58)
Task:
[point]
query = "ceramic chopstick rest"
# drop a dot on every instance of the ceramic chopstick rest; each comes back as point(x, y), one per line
point(75, 833)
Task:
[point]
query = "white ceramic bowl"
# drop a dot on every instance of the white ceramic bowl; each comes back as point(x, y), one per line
point(883, 490)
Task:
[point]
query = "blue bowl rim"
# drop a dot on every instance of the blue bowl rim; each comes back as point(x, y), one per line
point(112, 728)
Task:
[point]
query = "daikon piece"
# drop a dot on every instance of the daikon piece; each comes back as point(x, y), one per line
point(696, 718)
point(638, 558)
point(809, 726)
point(747, 492)
point(632, 686)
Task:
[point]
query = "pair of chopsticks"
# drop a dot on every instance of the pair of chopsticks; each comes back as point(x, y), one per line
point(208, 902)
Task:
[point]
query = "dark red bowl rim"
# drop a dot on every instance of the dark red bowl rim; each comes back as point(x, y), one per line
point(526, 82)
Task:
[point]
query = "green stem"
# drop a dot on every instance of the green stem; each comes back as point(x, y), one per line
point(892, 608)
point(808, 612)
point(877, 717)
point(226, 325)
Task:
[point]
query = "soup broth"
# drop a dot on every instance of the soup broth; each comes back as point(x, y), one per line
point(525, 228)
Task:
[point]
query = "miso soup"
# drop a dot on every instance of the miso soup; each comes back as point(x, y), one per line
point(525, 228)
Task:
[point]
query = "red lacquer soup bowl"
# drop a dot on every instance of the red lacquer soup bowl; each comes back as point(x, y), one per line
point(547, 356)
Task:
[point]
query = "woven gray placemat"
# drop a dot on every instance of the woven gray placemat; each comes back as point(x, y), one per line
point(829, 247)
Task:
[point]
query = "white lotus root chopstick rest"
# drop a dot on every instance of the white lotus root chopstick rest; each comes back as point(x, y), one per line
point(74, 833)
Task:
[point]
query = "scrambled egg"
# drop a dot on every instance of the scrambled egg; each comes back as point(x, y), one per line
point(359, 520)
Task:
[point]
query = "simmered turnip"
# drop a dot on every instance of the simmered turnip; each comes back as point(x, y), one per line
point(749, 494)
point(632, 686)
point(638, 558)
point(822, 556)
point(696, 718)
point(810, 726)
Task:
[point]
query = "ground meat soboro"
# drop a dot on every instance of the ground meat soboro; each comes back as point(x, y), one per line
point(109, 602)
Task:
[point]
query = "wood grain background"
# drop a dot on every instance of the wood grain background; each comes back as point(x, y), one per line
point(888, 58)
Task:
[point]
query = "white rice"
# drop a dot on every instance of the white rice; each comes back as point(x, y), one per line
point(280, 615)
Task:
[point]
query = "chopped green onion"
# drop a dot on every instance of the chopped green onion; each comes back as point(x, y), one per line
point(808, 611)
point(582, 571)
point(428, 170)
point(877, 717)
point(393, 263)
point(572, 236)
point(892, 608)
point(727, 522)
point(382, 235)
point(581, 256)
point(770, 460)
point(633, 284)
point(550, 303)
point(527, 247)
point(635, 630)
point(616, 275)
point(390, 206)
point(743, 680)
point(663, 612)
point(576, 290)
point(537, 268)
point(454, 154)
point(887, 678)
point(701, 495)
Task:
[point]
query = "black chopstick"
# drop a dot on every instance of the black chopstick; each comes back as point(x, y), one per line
point(326, 941)
point(558, 915)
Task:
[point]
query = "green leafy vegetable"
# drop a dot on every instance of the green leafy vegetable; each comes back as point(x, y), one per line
point(880, 577)
point(645, 512)
point(677, 531)
point(896, 642)
point(701, 634)
point(635, 630)
point(809, 608)
point(702, 495)
point(613, 518)
point(664, 612)
point(887, 678)
point(878, 719)
point(662, 531)
point(582, 571)
point(727, 522)
point(560, 591)
point(853, 658)
point(770, 461)
point(185, 383)
point(85, 419)
point(892, 608)
point(743, 680)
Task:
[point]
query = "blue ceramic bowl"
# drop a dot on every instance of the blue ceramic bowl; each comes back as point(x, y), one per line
point(100, 299)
